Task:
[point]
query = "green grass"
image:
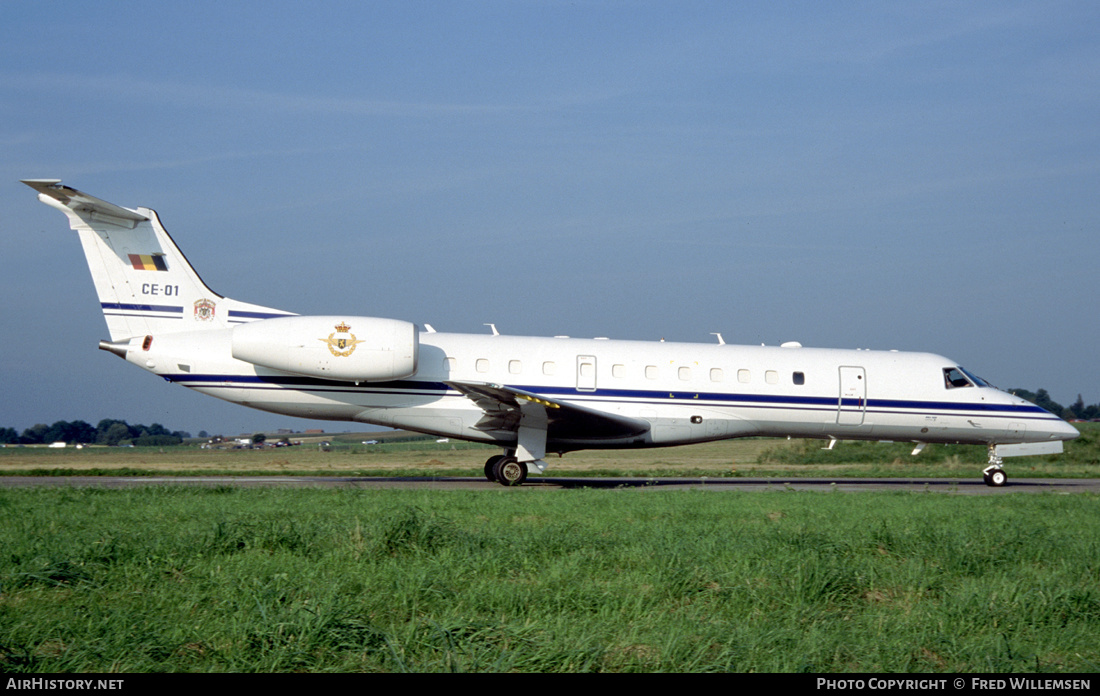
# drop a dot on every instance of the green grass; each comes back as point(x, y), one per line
point(227, 579)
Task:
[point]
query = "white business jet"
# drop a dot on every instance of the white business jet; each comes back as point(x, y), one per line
point(531, 396)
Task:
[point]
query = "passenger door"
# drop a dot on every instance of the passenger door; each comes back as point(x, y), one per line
point(852, 404)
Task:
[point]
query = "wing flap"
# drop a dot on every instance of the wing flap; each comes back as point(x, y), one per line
point(503, 407)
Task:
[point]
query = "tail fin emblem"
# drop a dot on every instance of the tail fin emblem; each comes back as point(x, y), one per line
point(204, 310)
point(341, 345)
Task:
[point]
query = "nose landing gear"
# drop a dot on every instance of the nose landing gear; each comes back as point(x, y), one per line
point(994, 475)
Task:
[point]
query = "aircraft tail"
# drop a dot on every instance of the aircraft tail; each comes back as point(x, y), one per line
point(145, 284)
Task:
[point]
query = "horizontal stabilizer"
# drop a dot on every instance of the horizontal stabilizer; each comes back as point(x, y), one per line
point(84, 205)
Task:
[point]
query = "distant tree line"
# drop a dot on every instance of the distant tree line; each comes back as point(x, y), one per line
point(1075, 411)
point(108, 432)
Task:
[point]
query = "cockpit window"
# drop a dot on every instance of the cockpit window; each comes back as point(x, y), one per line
point(974, 378)
point(955, 377)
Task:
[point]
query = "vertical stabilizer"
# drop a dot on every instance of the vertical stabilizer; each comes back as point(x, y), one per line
point(145, 284)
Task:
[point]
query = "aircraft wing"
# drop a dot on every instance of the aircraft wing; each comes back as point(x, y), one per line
point(504, 407)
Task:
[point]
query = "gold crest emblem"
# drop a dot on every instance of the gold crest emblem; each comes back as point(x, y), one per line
point(342, 342)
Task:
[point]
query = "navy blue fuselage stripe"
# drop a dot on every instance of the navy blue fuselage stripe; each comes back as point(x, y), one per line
point(233, 314)
point(661, 397)
point(141, 307)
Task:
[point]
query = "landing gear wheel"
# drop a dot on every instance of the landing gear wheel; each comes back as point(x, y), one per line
point(509, 472)
point(994, 474)
point(490, 467)
point(996, 477)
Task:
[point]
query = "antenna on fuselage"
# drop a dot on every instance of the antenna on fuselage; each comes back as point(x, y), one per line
point(721, 341)
point(494, 328)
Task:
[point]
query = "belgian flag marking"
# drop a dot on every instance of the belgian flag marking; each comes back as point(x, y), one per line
point(148, 262)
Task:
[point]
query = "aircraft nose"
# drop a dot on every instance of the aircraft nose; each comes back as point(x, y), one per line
point(1064, 431)
point(1050, 428)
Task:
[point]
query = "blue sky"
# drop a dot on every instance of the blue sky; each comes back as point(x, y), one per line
point(917, 176)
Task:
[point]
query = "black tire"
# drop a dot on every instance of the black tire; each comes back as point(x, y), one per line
point(510, 472)
point(997, 478)
point(491, 466)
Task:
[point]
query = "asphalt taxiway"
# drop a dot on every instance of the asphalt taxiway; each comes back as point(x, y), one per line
point(852, 485)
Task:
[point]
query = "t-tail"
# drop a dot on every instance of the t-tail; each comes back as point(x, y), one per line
point(145, 284)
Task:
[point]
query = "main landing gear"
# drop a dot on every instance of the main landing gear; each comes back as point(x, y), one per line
point(994, 475)
point(506, 470)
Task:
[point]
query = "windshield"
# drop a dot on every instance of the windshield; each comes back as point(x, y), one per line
point(974, 378)
point(955, 377)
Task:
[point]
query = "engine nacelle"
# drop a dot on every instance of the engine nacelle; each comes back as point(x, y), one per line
point(351, 349)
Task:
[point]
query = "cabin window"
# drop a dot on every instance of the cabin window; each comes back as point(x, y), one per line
point(482, 365)
point(586, 369)
point(617, 371)
point(799, 378)
point(449, 364)
point(548, 368)
point(743, 376)
point(651, 371)
point(685, 373)
point(515, 367)
point(771, 377)
point(716, 374)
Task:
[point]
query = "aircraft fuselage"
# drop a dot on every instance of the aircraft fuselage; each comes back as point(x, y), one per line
point(687, 392)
